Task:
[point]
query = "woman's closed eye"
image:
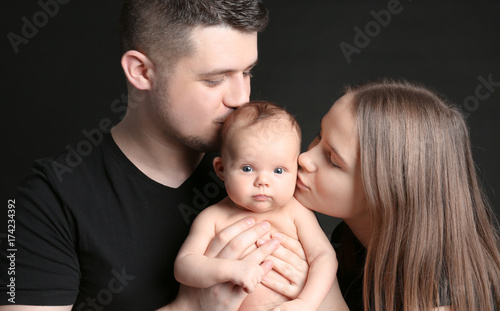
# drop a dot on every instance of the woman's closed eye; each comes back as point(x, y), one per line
point(332, 162)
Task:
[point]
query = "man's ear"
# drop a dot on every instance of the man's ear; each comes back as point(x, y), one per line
point(218, 167)
point(139, 69)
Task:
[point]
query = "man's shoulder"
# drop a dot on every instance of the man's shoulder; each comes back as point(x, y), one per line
point(68, 175)
point(78, 158)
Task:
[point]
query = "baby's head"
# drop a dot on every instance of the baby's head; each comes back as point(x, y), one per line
point(260, 147)
point(259, 118)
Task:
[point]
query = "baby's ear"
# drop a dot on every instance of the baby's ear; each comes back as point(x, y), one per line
point(219, 167)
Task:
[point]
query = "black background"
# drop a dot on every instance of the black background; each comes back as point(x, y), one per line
point(64, 80)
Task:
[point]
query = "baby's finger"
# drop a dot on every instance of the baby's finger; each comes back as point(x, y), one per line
point(267, 266)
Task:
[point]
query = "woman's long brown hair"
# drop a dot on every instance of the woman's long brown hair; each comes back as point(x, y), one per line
point(433, 232)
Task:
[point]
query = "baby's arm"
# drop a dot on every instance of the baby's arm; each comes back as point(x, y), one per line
point(321, 258)
point(194, 269)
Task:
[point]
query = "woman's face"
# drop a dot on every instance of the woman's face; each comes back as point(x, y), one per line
point(329, 179)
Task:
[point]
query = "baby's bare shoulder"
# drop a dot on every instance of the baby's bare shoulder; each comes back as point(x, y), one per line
point(296, 207)
point(216, 210)
point(224, 214)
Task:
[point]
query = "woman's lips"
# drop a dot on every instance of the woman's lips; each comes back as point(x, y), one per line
point(301, 185)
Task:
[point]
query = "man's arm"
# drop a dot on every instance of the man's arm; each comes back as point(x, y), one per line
point(46, 264)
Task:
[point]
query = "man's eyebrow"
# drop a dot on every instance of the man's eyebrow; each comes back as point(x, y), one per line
point(220, 71)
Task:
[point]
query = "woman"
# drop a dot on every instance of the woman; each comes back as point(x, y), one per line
point(393, 160)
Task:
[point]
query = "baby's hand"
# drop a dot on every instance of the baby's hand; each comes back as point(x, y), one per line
point(247, 274)
point(294, 305)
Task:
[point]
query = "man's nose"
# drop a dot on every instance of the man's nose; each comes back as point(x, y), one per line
point(238, 91)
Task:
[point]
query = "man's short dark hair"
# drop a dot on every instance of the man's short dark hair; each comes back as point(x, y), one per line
point(161, 28)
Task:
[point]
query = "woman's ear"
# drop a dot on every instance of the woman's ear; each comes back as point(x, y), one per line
point(138, 69)
point(219, 167)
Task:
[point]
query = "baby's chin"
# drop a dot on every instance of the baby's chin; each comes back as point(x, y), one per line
point(257, 206)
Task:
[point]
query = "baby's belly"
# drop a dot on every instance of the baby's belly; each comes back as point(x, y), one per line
point(263, 299)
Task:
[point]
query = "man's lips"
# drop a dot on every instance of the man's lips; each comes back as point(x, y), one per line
point(223, 118)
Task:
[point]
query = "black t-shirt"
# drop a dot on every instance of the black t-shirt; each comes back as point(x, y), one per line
point(92, 230)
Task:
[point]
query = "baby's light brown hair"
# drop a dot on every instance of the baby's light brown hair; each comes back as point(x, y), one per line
point(254, 113)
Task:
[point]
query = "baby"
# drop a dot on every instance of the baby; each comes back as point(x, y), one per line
point(258, 164)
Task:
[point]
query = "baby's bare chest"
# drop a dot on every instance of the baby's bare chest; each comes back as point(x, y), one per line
point(280, 222)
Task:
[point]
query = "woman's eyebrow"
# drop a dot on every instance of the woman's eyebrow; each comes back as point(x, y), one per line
point(337, 155)
point(333, 149)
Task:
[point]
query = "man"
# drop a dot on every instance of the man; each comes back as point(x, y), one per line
point(103, 234)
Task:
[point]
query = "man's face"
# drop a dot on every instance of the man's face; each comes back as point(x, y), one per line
point(205, 86)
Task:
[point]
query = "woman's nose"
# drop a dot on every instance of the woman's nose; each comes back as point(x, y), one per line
point(306, 160)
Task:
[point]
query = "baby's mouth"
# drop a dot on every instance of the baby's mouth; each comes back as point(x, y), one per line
point(261, 197)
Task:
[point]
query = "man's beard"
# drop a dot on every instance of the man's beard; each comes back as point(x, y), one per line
point(197, 143)
point(193, 142)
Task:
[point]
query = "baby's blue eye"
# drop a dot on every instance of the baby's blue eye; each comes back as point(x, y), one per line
point(247, 169)
point(279, 171)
